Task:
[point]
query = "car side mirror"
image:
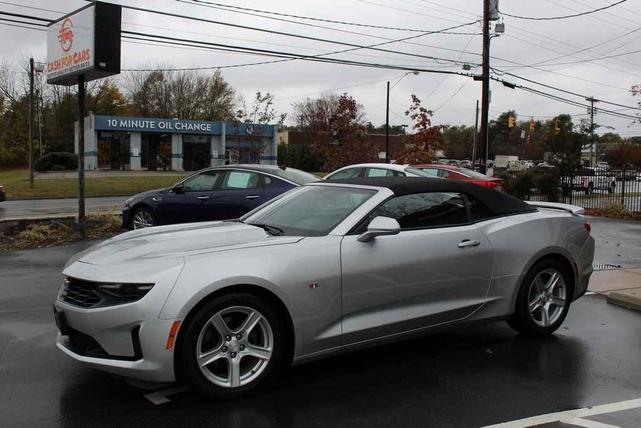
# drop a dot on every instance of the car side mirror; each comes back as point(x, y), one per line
point(380, 226)
point(178, 189)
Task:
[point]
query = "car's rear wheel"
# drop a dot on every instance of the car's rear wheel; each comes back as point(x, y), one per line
point(543, 300)
point(232, 345)
point(141, 218)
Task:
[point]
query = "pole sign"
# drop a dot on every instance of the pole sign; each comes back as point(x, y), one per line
point(85, 42)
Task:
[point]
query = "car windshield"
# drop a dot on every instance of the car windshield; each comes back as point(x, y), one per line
point(308, 210)
point(296, 175)
point(418, 172)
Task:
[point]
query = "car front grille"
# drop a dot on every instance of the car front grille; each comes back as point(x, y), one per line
point(80, 293)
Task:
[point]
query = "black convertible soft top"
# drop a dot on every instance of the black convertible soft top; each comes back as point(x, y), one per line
point(498, 202)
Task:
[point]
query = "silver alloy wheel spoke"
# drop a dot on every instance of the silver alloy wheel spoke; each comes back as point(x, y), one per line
point(258, 352)
point(234, 372)
point(557, 301)
point(252, 319)
point(535, 304)
point(143, 219)
point(554, 279)
point(209, 357)
point(219, 324)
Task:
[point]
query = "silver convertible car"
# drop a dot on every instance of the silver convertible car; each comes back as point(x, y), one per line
point(322, 269)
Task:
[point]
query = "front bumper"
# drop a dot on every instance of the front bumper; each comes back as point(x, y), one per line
point(126, 218)
point(117, 339)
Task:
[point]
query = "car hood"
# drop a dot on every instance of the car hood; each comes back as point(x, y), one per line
point(148, 193)
point(179, 241)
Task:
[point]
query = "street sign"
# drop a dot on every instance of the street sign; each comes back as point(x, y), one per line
point(84, 42)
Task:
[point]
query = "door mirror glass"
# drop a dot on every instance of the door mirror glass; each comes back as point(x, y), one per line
point(380, 226)
point(178, 189)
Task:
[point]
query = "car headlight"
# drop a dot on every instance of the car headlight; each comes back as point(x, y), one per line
point(88, 294)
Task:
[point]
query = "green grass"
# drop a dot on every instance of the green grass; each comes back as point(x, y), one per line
point(16, 185)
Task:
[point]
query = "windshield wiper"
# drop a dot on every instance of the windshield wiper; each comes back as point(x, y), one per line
point(272, 230)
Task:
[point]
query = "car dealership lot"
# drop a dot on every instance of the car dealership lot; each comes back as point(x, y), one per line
point(470, 377)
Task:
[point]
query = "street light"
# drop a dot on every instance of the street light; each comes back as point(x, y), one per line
point(415, 73)
point(34, 67)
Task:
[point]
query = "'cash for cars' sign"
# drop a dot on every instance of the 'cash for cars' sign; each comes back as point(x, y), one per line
point(87, 42)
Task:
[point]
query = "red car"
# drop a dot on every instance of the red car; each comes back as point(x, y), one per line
point(455, 173)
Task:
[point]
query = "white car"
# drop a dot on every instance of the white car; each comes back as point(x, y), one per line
point(375, 170)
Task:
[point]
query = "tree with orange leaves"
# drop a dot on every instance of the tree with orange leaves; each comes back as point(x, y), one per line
point(421, 146)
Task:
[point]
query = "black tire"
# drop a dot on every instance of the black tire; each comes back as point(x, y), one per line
point(190, 369)
point(522, 320)
point(144, 211)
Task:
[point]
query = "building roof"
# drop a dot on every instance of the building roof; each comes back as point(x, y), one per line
point(499, 203)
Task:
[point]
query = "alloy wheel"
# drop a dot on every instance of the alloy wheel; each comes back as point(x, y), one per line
point(234, 346)
point(142, 219)
point(547, 297)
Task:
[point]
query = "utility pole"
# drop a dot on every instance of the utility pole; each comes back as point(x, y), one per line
point(387, 159)
point(593, 150)
point(476, 134)
point(31, 72)
point(81, 156)
point(485, 92)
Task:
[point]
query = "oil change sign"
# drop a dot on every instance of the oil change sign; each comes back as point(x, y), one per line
point(70, 45)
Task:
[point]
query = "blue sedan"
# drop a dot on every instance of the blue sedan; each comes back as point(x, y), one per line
point(216, 193)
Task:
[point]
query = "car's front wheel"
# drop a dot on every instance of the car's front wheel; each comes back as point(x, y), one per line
point(543, 300)
point(142, 217)
point(232, 345)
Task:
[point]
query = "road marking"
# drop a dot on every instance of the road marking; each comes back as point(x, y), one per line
point(162, 396)
point(587, 423)
point(574, 415)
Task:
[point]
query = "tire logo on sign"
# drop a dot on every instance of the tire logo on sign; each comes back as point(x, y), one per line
point(65, 35)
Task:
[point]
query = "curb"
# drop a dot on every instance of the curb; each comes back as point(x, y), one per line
point(630, 299)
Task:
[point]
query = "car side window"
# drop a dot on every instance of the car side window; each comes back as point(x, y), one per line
point(272, 182)
point(432, 172)
point(478, 210)
point(380, 172)
point(235, 180)
point(346, 173)
point(422, 210)
point(203, 182)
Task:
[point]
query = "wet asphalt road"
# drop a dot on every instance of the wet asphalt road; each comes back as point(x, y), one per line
point(474, 376)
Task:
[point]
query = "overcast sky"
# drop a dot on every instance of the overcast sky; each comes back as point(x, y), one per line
point(614, 31)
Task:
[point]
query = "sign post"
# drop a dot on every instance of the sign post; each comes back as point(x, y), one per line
point(84, 45)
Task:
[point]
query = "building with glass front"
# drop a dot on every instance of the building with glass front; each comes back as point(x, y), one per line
point(155, 144)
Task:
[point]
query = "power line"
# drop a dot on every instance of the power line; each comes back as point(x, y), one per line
point(552, 18)
point(355, 24)
point(316, 39)
point(272, 53)
point(563, 90)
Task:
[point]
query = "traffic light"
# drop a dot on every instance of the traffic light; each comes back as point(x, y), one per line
point(532, 124)
point(510, 121)
point(557, 125)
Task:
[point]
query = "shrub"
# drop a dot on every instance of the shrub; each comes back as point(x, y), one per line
point(57, 161)
point(299, 156)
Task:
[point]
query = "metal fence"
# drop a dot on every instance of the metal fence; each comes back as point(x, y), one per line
point(594, 189)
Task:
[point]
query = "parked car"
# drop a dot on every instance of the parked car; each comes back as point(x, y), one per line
point(461, 174)
point(216, 193)
point(590, 179)
point(326, 268)
point(374, 170)
point(3, 195)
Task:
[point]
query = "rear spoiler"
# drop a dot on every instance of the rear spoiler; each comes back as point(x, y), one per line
point(572, 209)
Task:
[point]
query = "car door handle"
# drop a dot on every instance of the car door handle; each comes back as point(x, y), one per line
point(203, 198)
point(252, 197)
point(466, 243)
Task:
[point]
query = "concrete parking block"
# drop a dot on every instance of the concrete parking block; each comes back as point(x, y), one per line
point(630, 299)
point(604, 282)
